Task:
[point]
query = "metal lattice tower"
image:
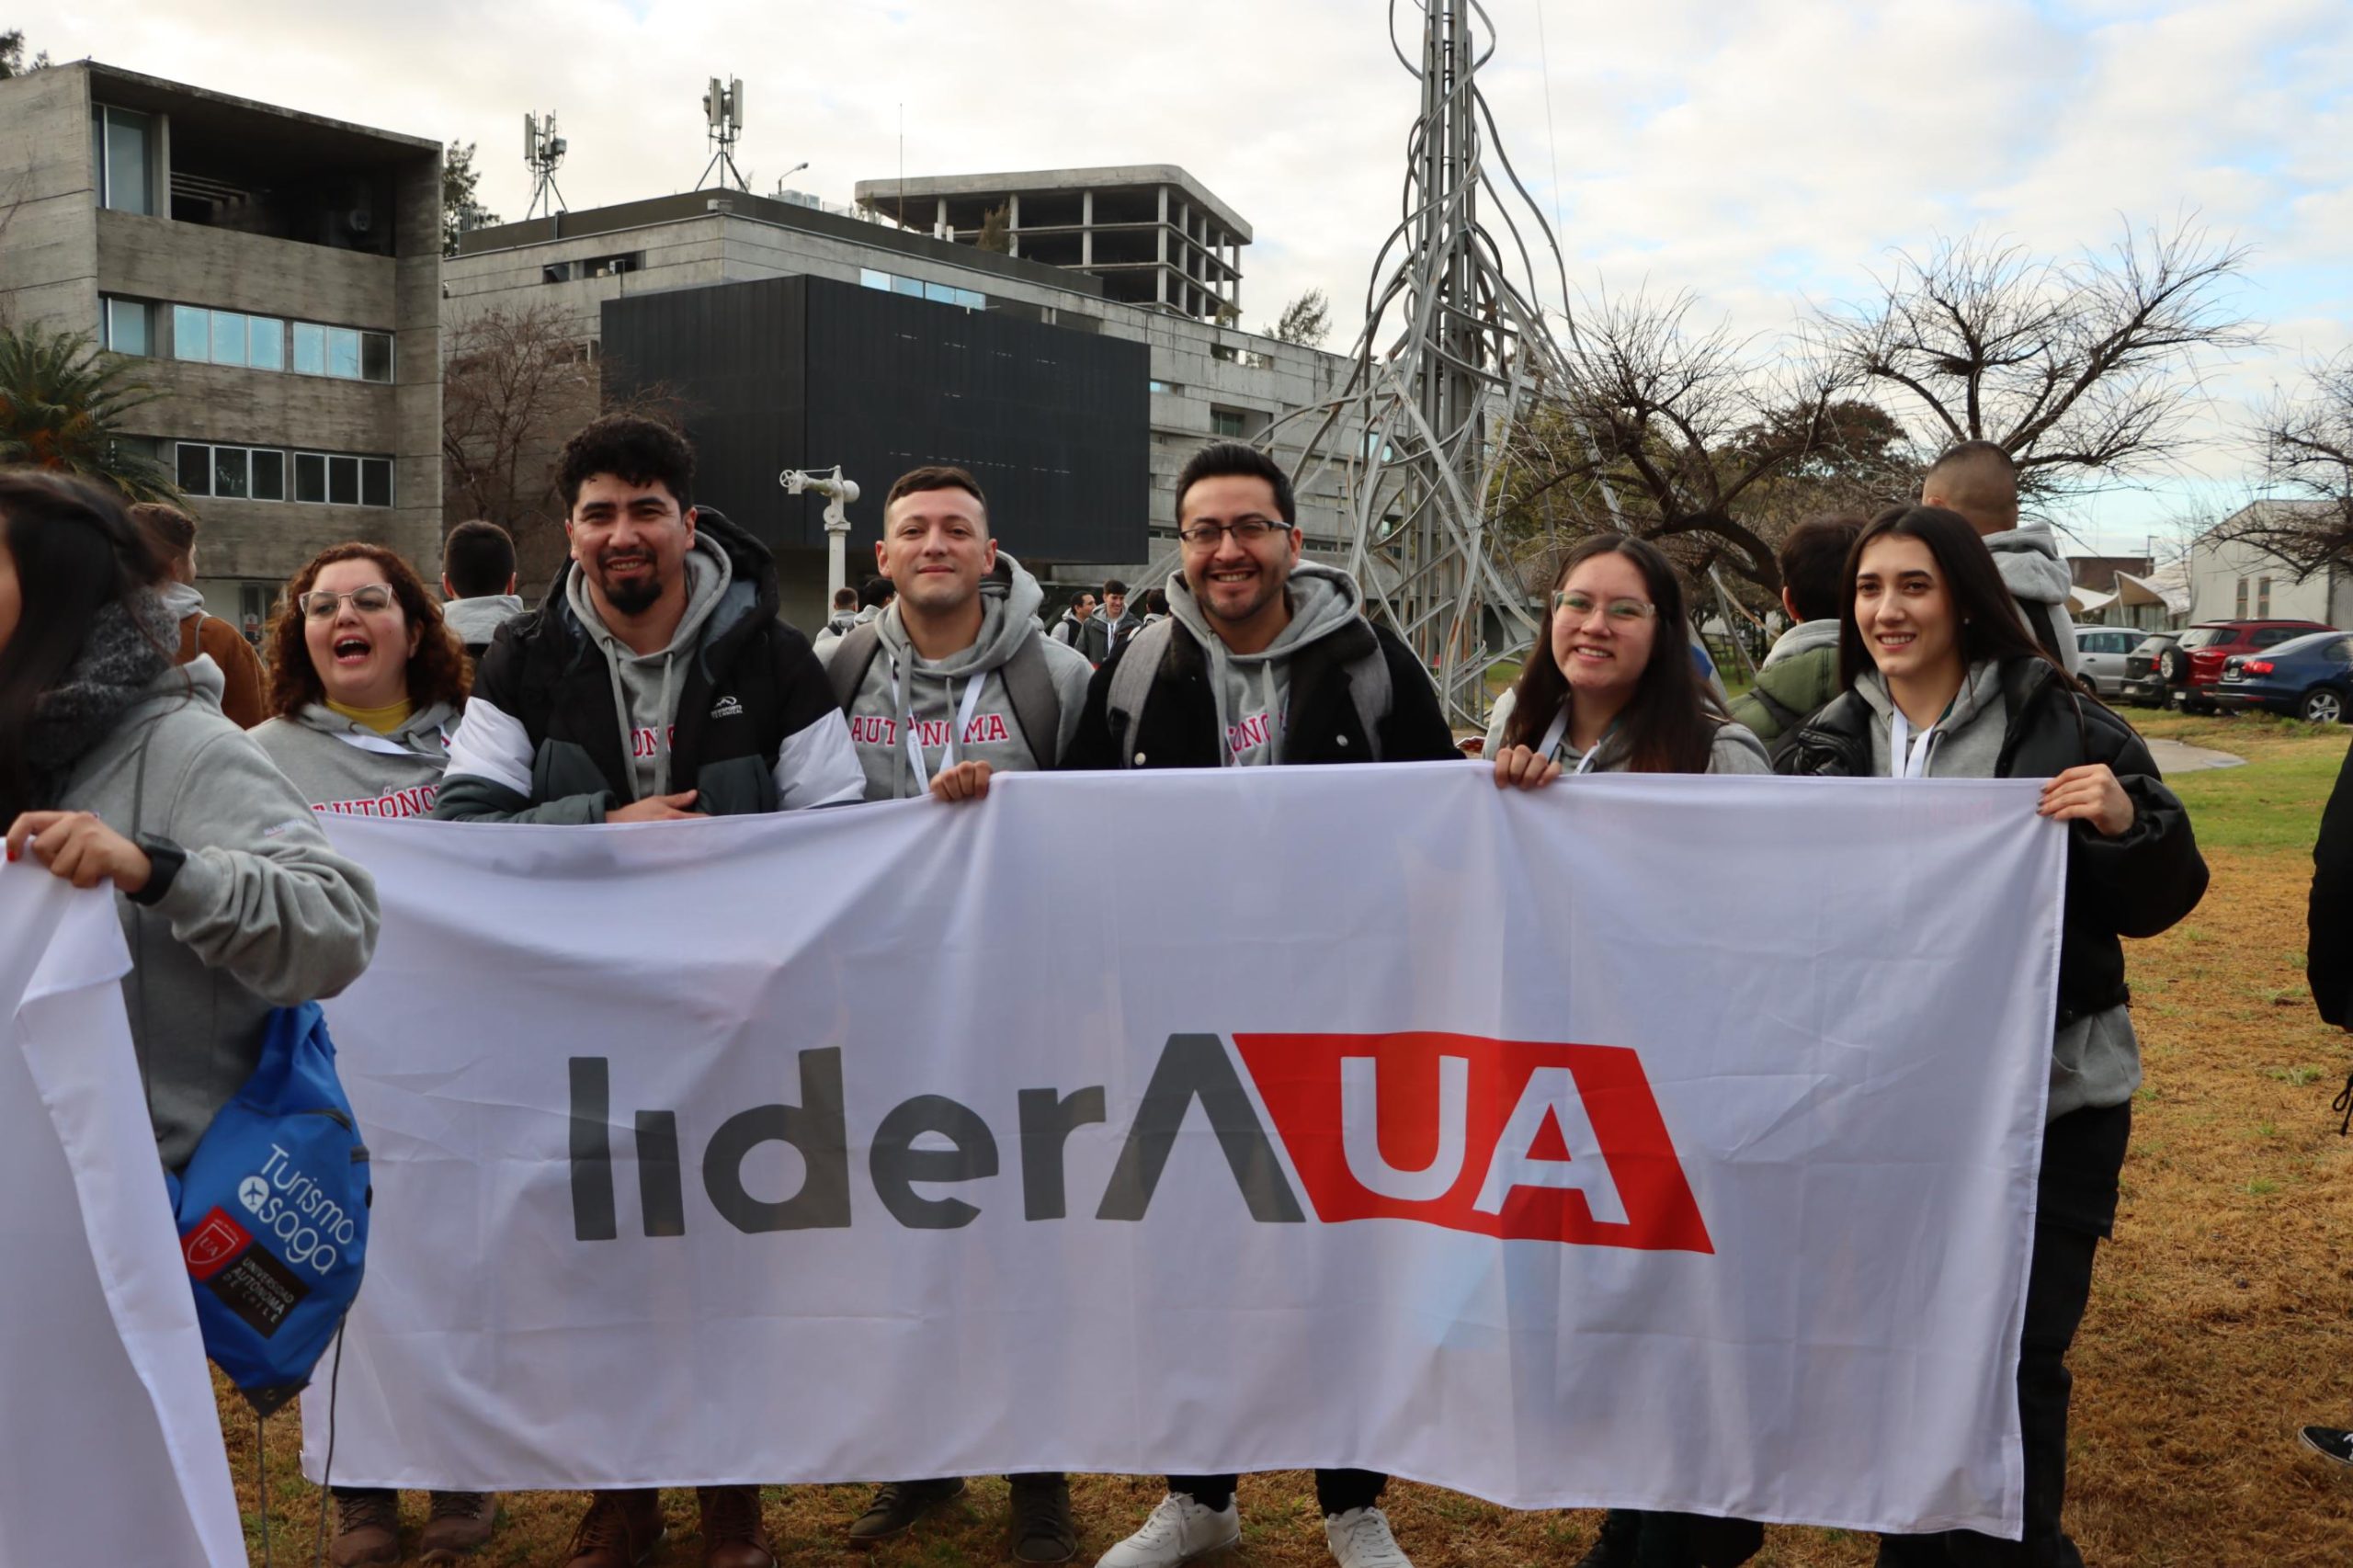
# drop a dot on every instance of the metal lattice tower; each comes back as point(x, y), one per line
point(1453, 348)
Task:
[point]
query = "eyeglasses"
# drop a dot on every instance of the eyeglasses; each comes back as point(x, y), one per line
point(1248, 531)
point(321, 604)
point(1625, 612)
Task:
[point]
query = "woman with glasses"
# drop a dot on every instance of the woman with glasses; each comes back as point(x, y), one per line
point(366, 681)
point(1944, 681)
point(1608, 686)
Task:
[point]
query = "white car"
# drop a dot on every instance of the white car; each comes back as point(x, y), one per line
point(2099, 654)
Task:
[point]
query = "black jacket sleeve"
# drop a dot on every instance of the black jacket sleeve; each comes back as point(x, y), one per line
point(2151, 876)
point(1093, 749)
point(1416, 730)
point(2328, 952)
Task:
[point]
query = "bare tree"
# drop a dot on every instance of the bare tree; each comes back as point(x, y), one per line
point(2087, 371)
point(515, 386)
point(2307, 440)
point(1708, 445)
point(1306, 321)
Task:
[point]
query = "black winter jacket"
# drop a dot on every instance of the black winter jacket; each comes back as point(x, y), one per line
point(2137, 884)
point(1180, 727)
point(2328, 955)
point(752, 705)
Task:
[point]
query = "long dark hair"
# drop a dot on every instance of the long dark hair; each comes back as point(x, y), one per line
point(76, 551)
point(1990, 627)
point(436, 671)
point(1670, 724)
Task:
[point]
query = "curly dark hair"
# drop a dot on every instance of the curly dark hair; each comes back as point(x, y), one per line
point(632, 448)
point(437, 672)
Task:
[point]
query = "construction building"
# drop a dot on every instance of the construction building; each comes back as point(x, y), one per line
point(978, 321)
point(278, 277)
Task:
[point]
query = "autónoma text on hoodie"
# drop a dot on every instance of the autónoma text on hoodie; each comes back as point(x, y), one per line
point(344, 768)
point(962, 698)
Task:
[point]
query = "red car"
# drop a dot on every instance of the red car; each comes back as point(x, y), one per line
point(2194, 666)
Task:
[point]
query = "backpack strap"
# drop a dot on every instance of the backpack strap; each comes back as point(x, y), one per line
point(2038, 621)
point(1132, 682)
point(1037, 707)
point(846, 668)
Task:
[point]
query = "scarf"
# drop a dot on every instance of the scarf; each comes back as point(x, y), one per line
point(131, 643)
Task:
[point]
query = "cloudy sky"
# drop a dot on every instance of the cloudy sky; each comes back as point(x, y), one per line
point(1766, 155)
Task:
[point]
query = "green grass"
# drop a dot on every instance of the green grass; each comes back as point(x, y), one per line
point(2273, 801)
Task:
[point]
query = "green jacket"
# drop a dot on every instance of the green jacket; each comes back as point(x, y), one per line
point(1789, 690)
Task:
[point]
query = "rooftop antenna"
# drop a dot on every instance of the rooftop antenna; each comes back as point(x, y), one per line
point(722, 107)
point(542, 150)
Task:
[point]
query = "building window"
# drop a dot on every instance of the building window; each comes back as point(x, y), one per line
point(2263, 598)
point(2240, 613)
point(1228, 422)
point(1161, 386)
point(916, 288)
point(128, 324)
point(259, 343)
point(258, 473)
point(122, 164)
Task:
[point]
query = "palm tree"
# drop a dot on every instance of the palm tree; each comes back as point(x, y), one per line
point(61, 406)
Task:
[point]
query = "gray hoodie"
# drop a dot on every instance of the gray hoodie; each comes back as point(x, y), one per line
point(903, 687)
point(645, 686)
point(261, 914)
point(2035, 572)
point(1803, 638)
point(828, 637)
point(1735, 748)
point(342, 765)
point(1252, 690)
point(2095, 1060)
point(476, 620)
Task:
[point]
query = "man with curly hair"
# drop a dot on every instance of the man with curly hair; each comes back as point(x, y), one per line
point(654, 683)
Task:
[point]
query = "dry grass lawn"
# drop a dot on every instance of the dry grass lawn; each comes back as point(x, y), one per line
point(2221, 1316)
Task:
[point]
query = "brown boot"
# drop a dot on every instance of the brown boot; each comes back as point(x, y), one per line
point(732, 1535)
point(456, 1523)
point(620, 1529)
point(367, 1528)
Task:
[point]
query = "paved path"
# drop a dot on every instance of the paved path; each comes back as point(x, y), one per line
point(2173, 757)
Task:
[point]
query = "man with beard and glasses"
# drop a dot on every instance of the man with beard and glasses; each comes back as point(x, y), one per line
point(655, 681)
point(1263, 659)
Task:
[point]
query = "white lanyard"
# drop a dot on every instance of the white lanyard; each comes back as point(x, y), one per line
point(1902, 763)
point(384, 745)
point(1558, 730)
point(907, 720)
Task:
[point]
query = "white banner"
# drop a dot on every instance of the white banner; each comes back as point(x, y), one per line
point(110, 1440)
point(1666, 1142)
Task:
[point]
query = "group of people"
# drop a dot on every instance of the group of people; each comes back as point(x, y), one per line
point(655, 681)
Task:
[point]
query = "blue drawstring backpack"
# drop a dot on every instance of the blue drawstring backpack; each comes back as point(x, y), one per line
point(273, 1214)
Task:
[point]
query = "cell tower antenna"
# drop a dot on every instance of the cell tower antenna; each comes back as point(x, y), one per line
point(723, 110)
point(1454, 353)
point(542, 150)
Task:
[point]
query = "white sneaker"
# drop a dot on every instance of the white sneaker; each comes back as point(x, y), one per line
point(1361, 1539)
point(1180, 1531)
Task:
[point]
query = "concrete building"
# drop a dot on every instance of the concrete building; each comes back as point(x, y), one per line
point(277, 275)
point(1153, 233)
point(2232, 580)
point(1204, 379)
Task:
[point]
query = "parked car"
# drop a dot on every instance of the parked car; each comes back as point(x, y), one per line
point(2100, 653)
point(2210, 642)
point(2147, 669)
point(2311, 677)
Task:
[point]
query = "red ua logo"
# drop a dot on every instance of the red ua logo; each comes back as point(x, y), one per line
point(215, 1241)
point(1504, 1138)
